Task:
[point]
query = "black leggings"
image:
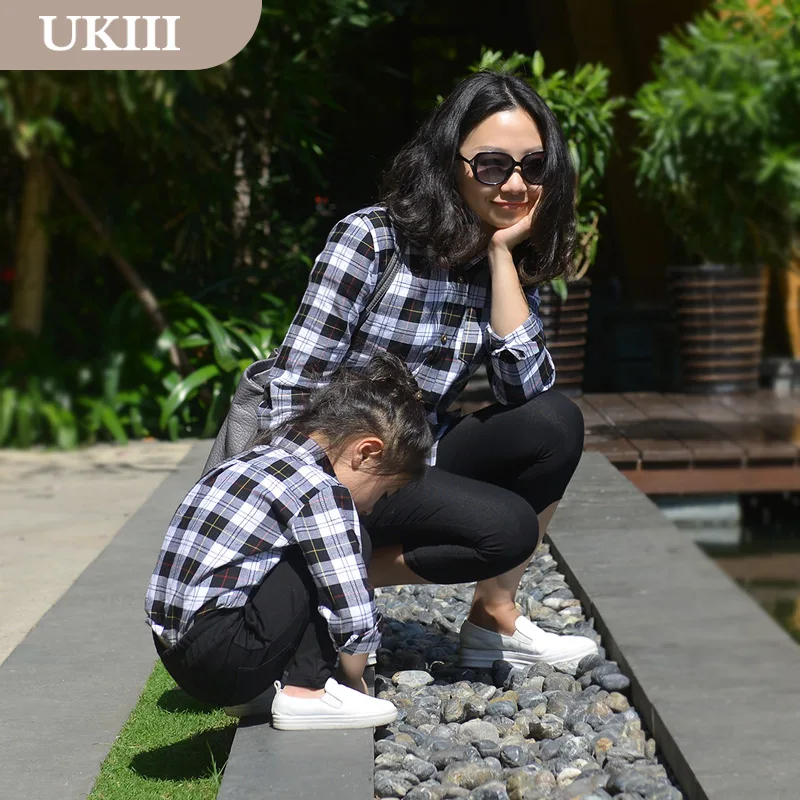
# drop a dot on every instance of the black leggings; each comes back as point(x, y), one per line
point(473, 516)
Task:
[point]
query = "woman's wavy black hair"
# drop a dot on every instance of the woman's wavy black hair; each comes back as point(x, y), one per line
point(421, 194)
point(382, 400)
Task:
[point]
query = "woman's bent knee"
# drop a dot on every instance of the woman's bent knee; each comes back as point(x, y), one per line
point(558, 424)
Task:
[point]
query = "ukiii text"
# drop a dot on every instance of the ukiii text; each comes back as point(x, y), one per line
point(110, 33)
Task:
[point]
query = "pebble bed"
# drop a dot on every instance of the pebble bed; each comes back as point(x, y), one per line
point(507, 733)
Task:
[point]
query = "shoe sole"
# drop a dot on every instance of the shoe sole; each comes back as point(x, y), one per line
point(313, 723)
point(485, 658)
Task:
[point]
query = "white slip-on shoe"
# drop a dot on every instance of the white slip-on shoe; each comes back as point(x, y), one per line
point(340, 707)
point(258, 706)
point(529, 645)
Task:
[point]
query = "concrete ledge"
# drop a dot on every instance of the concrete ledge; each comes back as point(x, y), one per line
point(266, 764)
point(715, 680)
point(69, 686)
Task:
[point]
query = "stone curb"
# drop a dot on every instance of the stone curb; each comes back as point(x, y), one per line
point(265, 764)
point(70, 685)
point(713, 676)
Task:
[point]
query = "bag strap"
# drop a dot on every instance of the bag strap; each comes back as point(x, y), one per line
point(384, 282)
point(386, 278)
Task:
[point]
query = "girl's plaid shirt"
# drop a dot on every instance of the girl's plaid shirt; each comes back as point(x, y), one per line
point(437, 321)
point(231, 528)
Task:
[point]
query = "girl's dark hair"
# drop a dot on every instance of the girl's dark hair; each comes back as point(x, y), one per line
point(381, 400)
point(421, 195)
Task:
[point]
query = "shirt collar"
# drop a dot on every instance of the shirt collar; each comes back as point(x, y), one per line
point(304, 447)
point(475, 260)
point(416, 257)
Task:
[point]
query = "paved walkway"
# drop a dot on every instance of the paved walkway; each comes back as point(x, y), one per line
point(69, 686)
point(60, 510)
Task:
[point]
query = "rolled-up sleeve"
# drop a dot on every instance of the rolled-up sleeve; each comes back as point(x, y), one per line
point(520, 366)
point(329, 534)
point(318, 339)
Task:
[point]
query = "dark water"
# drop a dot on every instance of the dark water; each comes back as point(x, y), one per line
point(756, 540)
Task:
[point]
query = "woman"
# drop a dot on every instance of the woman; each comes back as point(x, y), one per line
point(263, 569)
point(479, 207)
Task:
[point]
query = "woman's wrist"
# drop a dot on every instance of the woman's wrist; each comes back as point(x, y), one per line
point(509, 304)
point(500, 257)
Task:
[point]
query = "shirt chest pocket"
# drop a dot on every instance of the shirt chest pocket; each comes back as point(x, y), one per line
point(469, 344)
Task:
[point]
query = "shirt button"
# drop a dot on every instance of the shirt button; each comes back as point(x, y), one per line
point(460, 279)
point(444, 338)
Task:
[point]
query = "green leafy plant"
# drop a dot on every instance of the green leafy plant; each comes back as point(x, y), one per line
point(220, 351)
point(205, 218)
point(133, 390)
point(719, 132)
point(580, 101)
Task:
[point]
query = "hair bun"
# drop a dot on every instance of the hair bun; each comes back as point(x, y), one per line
point(391, 372)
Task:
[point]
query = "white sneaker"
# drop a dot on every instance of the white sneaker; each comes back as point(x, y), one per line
point(529, 645)
point(340, 707)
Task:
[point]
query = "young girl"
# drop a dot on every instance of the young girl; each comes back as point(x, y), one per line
point(479, 208)
point(263, 568)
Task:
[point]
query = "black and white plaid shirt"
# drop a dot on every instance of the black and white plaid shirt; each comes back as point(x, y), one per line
point(229, 532)
point(436, 320)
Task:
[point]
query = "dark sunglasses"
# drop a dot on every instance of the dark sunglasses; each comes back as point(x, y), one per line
point(493, 169)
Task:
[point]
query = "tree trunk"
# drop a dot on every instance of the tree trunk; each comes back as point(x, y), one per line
point(242, 200)
point(32, 247)
point(265, 159)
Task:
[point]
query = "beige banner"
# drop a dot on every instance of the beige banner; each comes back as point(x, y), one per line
point(124, 34)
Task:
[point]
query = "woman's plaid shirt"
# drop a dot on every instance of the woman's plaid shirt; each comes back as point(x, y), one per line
point(436, 321)
point(231, 528)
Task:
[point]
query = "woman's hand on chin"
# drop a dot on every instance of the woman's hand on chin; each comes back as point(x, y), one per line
point(509, 238)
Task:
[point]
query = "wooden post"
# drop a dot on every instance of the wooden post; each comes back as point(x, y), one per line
point(789, 282)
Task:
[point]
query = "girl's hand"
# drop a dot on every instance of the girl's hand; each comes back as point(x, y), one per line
point(509, 238)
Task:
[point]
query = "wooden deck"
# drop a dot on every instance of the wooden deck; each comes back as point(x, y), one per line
point(694, 444)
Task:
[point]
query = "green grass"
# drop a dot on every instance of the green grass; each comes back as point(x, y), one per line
point(171, 748)
point(787, 614)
